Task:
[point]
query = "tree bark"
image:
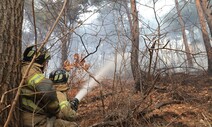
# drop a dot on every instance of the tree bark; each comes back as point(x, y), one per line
point(66, 38)
point(206, 6)
point(11, 18)
point(205, 35)
point(185, 41)
point(64, 48)
point(135, 46)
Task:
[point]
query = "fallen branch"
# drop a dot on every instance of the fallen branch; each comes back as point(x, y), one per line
point(101, 97)
point(158, 106)
point(109, 123)
point(162, 104)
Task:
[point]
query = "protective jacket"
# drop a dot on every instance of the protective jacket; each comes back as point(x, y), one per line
point(66, 112)
point(38, 94)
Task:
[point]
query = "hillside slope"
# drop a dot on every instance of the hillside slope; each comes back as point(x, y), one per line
point(176, 101)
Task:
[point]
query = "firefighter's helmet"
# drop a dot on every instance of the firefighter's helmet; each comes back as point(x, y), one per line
point(59, 76)
point(42, 56)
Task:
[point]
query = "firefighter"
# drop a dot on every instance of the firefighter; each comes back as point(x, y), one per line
point(67, 109)
point(38, 95)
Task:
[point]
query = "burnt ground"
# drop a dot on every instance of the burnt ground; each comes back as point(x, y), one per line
point(175, 101)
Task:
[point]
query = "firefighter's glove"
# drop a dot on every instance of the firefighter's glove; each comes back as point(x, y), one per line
point(74, 104)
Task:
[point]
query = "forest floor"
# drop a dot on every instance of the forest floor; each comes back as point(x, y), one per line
point(176, 101)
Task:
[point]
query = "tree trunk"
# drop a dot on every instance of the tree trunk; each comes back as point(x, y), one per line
point(182, 24)
point(206, 6)
point(68, 22)
point(205, 35)
point(64, 49)
point(135, 46)
point(10, 53)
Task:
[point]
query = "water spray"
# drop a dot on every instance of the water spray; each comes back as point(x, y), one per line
point(93, 82)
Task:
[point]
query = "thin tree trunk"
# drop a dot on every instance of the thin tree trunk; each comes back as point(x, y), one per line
point(205, 35)
point(135, 46)
point(182, 24)
point(11, 18)
point(66, 37)
point(206, 6)
point(154, 43)
point(64, 48)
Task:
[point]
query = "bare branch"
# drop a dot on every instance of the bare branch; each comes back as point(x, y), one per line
point(82, 42)
point(93, 51)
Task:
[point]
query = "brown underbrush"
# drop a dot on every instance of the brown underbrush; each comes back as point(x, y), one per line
point(175, 101)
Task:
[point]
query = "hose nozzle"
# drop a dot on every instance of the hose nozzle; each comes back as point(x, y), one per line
point(74, 104)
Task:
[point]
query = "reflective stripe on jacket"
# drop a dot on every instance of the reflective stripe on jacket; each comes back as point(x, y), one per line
point(35, 79)
point(64, 104)
point(38, 91)
point(66, 111)
point(31, 106)
point(35, 69)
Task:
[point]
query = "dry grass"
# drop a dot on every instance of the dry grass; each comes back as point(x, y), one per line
point(184, 101)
